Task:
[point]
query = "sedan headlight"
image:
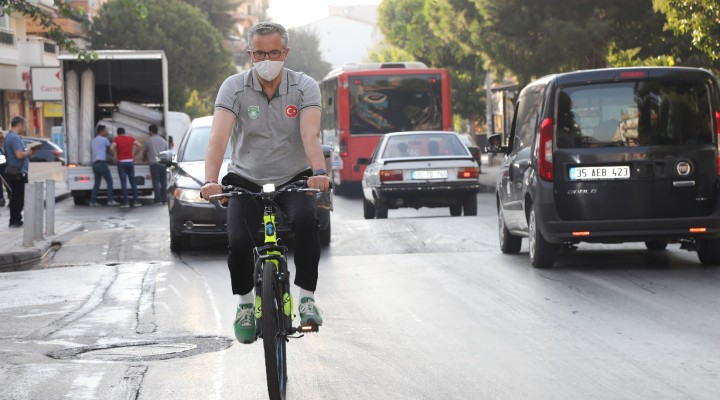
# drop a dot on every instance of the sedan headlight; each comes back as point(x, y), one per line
point(189, 195)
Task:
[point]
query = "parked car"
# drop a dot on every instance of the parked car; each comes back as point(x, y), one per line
point(475, 150)
point(420, 169)
point(609, 156)
point(48, 150)
point(191, 216)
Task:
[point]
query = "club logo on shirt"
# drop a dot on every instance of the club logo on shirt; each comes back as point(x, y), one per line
point(291, 111)
point(253, 112)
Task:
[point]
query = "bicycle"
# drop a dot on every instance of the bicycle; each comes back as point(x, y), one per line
point(272, 287)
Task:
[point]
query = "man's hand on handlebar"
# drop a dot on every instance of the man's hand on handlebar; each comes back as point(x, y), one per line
point(212, 188)
point(319, 182)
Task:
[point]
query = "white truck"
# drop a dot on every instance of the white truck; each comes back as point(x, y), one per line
point(121, 88)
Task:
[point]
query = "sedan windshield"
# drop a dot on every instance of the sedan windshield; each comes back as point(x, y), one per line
point(424, 145)
point(197, 143)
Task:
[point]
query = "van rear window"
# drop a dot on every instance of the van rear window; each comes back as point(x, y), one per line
point(643, 113)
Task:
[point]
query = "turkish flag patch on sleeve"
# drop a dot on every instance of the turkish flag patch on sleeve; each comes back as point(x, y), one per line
point(291, 111)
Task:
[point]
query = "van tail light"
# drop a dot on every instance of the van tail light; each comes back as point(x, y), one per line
point(468, 173)
point(545, 149)
point(717, 132)
point(389, 175)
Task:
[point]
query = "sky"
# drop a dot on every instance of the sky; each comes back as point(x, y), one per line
point(293, 13)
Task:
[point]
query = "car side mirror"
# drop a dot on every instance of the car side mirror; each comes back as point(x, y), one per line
point(494, 144)
point(363, 161)
point(327, 150)
point(166, 158)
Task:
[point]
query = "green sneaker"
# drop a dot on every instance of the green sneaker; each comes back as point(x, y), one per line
point(309, 313)
point(245, 323)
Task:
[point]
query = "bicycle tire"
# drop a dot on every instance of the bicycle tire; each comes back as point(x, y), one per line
point(273, 341)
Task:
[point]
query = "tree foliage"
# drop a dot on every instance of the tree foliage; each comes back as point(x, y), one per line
point(197, 58)
point(54, 31)
point(218, 12)
point(305, 54)
point(698, 18)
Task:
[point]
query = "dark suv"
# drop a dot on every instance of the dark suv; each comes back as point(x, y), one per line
point(609, 156)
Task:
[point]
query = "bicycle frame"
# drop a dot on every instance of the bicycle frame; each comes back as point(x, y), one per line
point(276, 254)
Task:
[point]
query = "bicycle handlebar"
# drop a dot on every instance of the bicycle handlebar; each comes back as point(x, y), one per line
point(297, 186)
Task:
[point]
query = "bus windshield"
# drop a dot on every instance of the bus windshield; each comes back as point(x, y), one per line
point(381, 104)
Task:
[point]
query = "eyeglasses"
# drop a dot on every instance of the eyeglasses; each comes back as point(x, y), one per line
point(260, 55)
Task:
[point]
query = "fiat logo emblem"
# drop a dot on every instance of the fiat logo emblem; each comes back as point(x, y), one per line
point(683, 168)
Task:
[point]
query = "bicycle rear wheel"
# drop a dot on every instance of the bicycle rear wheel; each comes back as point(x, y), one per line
point(273, 339)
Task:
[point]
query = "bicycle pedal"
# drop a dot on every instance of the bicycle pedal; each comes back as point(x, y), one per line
point(310, 327)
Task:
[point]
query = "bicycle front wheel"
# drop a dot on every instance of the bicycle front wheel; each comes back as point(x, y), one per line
point(272, 335)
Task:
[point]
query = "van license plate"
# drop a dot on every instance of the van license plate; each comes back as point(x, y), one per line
point(599, 173)
point(430, 174)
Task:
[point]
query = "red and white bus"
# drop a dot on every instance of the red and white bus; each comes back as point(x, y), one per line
point(362, 102)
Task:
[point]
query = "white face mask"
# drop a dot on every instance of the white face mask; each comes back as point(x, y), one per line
point(268, 69)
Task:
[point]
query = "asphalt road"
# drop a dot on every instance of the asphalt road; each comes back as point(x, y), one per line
point(419, 306)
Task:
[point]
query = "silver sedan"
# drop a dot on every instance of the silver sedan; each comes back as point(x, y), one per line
point(420, 169)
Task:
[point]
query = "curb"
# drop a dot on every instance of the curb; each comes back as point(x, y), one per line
point(11, 260)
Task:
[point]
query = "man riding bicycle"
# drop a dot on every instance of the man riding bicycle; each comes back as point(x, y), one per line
point(271, 115)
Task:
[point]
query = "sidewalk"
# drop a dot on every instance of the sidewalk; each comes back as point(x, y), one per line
point(12, 251)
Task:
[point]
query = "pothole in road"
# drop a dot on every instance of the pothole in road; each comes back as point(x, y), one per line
point(147, 350)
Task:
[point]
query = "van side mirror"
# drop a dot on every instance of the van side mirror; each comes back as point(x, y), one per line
point(363, 161)
point(494, 144)
point(171, 142)
point(166, 158)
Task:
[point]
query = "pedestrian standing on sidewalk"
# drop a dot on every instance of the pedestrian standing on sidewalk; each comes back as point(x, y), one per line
point(124, 147)
point(99, 146)
point(155, 145)
point(2, 171)
point(17, 168)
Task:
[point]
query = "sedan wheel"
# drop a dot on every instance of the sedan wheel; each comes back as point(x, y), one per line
point(456, 210)
point(542, 253)
point(381, 209)
point(470, 205)
point(368, 210)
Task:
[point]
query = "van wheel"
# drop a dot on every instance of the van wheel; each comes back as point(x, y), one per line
point(456, 210)
point(368, 210)
point(509, 243)
point(708, 251)
point(656, 245)
point(470, 205)
point(542, 253)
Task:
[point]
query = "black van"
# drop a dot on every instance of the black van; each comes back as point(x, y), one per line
point(609, 156)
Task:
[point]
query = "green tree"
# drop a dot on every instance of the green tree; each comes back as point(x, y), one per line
point(408, 32)
point(305, 54)
point(698, 18)
point(55, 31)
point(197, 107)
point(197, 58)
point(218, 12)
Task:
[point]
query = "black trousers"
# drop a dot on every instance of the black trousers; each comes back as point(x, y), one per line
point(17, 200)
point(243, 222)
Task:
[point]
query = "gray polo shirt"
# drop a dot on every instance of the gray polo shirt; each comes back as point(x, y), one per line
point(155, 145)
point(266, 142)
